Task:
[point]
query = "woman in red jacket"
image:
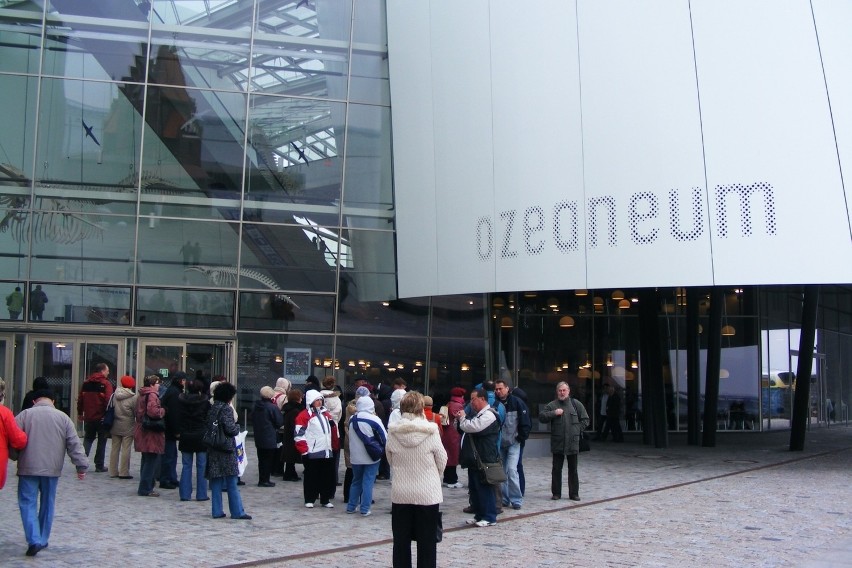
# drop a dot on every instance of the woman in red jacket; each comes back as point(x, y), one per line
point(150, 443)
point(10, 434)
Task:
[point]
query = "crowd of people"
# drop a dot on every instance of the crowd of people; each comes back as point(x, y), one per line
point(383, 432)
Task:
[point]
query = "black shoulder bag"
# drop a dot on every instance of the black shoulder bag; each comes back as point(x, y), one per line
point(584, 440)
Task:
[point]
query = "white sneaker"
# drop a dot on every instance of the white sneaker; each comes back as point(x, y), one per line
point(309, 505)
point(367, 514)
point(457, 485)
point(471, 522)
point(484, 523)
point(328, 505)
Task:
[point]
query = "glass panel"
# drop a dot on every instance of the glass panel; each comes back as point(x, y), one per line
point(188, 253)
point(16, 138)
point(262, 358)
point(14, 247)
point(86, 304)
point(13, 292)
point(20, 36)
point(96, 40)
point(276, 311)
point(302, 48)
point(206, 360)
point(83, 247)
point(201, 44)
point(455, 363)
point(381, 360)
point(459, 316)
point(163, 360)
point(193, 158)
point(88, 148)
point(185, 308)
point(54, 362)
point(280, 257)
point(294, 157)
point(399, 317)
point(368, 194)
point(93, 353)
point(370, 54)
point(368, 265)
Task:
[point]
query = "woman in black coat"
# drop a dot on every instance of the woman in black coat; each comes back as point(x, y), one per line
point(291, 457)
point(266, 419)
point(193, 407)
point(222, 467)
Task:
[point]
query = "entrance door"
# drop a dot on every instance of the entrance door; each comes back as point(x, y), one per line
point(166, 357)
point(66, 362)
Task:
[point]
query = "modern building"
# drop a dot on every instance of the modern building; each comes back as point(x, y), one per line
point(441, 191)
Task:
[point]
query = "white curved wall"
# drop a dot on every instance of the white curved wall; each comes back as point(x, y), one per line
point(559, 144)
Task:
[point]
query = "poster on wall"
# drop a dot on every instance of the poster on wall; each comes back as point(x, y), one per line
point(297, 365)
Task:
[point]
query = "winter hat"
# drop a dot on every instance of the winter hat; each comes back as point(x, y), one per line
point(128, 382)
point(283, 384)
point(457, 391)
point(396, 397)
point(311, 396)
point(44, 393)
point(362, 391)
point(427, 402)
point(266, 392)
point(365, 404)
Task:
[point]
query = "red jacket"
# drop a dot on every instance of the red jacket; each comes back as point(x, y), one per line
point(10, 437)
point(94, 396)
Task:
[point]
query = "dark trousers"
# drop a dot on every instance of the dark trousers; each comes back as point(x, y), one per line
point(168, 463)
point(612, 424)
point(319, 480)
point(451, 475)
point(418, 523)
point(521, 478)
point(556, 475)
point(148, 470)
point(92, 430)
point(481, 496)
point(347, 482)
point(265, 463)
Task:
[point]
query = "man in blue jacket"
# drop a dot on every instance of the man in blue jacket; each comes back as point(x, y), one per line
point(515, 430)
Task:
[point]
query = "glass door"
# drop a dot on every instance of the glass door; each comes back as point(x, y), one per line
point(166, 357)
point(66, 362)
point(160, 357)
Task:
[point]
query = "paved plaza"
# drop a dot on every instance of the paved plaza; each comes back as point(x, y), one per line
point(747, 502)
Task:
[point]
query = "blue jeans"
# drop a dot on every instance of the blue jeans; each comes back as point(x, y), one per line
point(168, 467)
point(37, 520)
point(235, 502)
point(481, 496)
point(363, 478)
point(512, 486)
point(185, 487)
point(147, 472)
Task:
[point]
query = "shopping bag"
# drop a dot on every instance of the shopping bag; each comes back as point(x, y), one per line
point(242, 457)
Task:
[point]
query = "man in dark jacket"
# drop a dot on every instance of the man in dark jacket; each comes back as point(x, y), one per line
point(170, 401)
point(568, 419)
point(612, 420)
point(480, 433)
point(91, 407)
point(516, 429)
point(266, 419)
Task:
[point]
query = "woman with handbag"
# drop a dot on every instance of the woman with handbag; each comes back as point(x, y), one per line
point(222, 467)
point(417, 459)
point(149, 434)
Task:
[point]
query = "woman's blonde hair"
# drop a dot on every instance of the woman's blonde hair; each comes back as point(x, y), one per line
point(412, 403)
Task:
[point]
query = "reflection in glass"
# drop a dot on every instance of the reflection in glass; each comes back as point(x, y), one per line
point(277, 311)
point(404, 317)
point(453, 363)
point(459, 316)
point(370, 54)
point(284, 257)
point(187, 253)
point(16, 305)
point(53, 361)
point(369, 273)
point(16, 138)
point(103, 305)
point(383, 359)
point(13, 245)
point(294, 159)
point(88, 148)
point(185, 308)
point(369, 184)
point(80, 247)
point(20, 36)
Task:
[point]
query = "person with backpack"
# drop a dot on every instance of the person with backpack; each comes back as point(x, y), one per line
point(367, 439)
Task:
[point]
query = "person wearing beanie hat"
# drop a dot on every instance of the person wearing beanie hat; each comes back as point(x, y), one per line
point(267, 419)
point(367, 429)
point(363, 391)
point(316, 440)
point(451, 438)
point(282, 385)
point(121, 433)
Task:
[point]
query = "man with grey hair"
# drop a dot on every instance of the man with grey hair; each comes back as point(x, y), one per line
point(51, 434)
point(568, 419)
